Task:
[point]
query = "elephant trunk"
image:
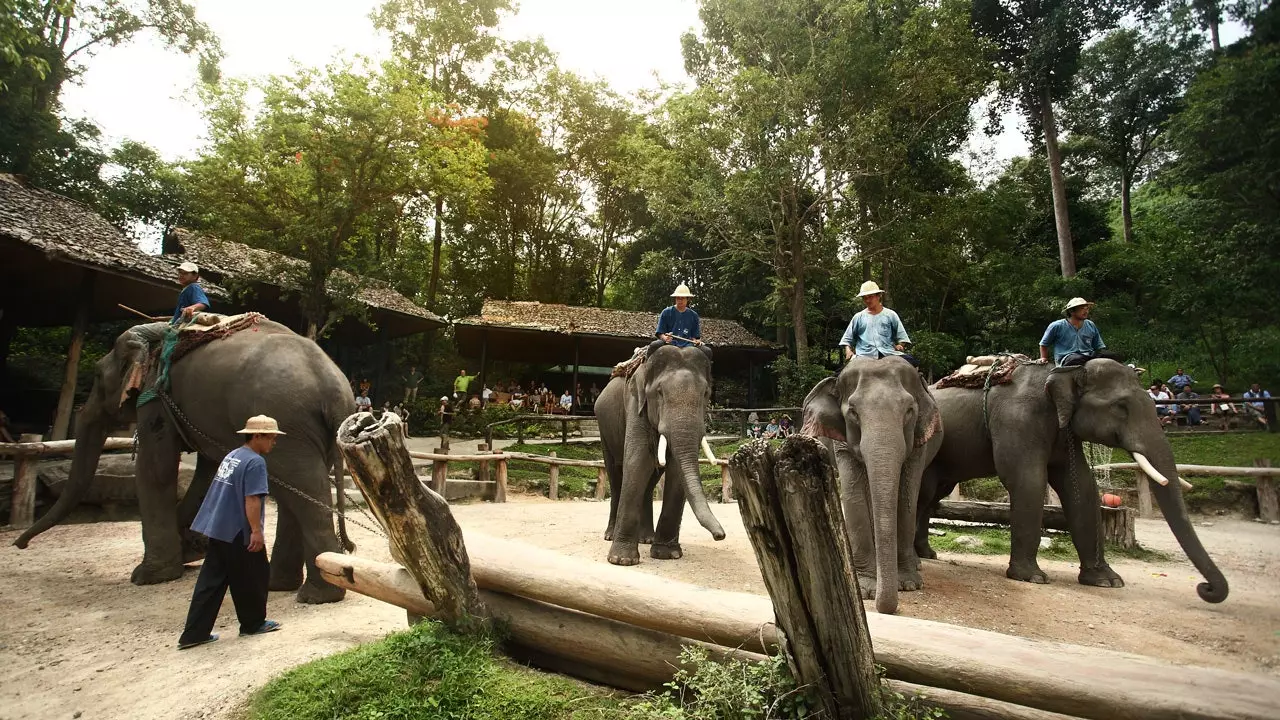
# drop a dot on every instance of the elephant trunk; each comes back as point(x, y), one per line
point(1169, 497)
point(885, 457)
point(91, 432)
point(683, 461)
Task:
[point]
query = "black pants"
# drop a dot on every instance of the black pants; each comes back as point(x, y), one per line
point(1075, 359)
point(228, 564)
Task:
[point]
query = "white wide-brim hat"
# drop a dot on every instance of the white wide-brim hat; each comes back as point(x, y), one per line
point(261, 425)
point(189, 267)
point(869, 288)
point(682, 290)
point(1074, 303)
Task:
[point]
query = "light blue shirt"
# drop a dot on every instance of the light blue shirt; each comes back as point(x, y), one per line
point(1065, 339)
point(242, 473)
point(875, 335)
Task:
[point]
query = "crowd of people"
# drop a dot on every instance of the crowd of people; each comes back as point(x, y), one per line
point(1166, 393)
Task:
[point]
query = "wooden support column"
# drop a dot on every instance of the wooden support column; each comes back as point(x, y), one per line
point(602, 483)
point(484, 360)
point(22, 507)
point(1268, 499)
point(751, 379)
point(577, 401)
point(553, 484)
point(500, 492)
point(483, 465)
point(1145, 509)
point(726, 484)
point(791, 510)
point(384, 360)
point(440, 470)
point(67, 397)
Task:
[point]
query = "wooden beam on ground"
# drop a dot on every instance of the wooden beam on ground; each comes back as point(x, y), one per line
point(71, 369)
point(994, 513)
point(422, 533)
point(59, 447)
point(22, 507)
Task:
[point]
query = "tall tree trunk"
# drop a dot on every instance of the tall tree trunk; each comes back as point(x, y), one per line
point(436, 243)
point(1066, 251)
point(797, 295)
point(1211, 19)
point(1126, 211)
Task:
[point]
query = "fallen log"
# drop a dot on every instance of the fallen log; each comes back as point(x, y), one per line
point(58, 447)
point(1033, 673)
point(994, 513)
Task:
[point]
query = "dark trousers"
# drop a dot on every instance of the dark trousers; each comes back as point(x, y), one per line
point(228, 564)
point(1075, 359)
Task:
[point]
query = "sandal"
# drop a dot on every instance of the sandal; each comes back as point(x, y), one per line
point(266, 627)
point(211, 638)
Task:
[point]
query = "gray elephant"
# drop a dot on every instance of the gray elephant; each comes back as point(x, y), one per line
point(653, 418)
point(265, 369)
point(886, 429)
point(1028, 432)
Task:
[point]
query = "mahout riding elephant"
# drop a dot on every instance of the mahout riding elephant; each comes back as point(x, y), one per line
point(659, 410)
point(1028, 432)
point(265, 369)
point(886, 429)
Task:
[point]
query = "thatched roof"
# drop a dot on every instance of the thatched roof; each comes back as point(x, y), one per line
point(237, 261)
point(69, 231)
point(577, 320)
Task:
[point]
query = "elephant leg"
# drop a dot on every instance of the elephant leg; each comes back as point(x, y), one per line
point(646, 508)
point(855, 499)
point(308, 474)
point(157, 468)
point(639, 466)
point(1026, 479)
point(1083, 508)
point(666, 539)
point(193, 543)
point(933, 487)
point(909, 577)
point(286, 551)
point(613, 469)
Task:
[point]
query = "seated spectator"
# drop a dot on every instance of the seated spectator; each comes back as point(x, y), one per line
point(784, 428)
point(1180, 380)
point(1164, 412)
point(566, 401)
point(363, 402)
point(1192, 411)
point(755, 430)
point(474, 403)
point(1256, 410)
point(1224, 410)
point(517, 400)
point(486, 396)
point(772, 429)
point(753, 417)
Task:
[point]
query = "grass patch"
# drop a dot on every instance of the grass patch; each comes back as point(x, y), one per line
point(985, 489)
point(995, 541)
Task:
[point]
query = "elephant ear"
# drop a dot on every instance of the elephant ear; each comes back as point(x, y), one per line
point(637, 385)
point(822, 415)
point(1065, 386)
point(928, 420)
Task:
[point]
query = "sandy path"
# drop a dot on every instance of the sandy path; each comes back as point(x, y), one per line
point(75, 636)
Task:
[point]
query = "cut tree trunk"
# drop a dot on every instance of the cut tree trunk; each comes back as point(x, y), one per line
point(1061, 221)
point(1118, 526)
point(793, 517)
point(422, 533)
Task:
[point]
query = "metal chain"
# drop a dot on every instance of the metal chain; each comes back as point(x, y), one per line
point(274, 479)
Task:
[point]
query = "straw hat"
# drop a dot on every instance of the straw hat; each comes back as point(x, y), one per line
point(261, 425)
point(189, 267)
point(870, 288)
point(682, 290)
point(1074, 303)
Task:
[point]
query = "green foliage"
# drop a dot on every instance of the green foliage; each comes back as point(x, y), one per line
point(735, 690)
point(795, 380)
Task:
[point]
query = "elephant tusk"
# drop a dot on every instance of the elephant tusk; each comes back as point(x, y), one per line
point(706, 450)
point(1149, 469)
point(662, 451)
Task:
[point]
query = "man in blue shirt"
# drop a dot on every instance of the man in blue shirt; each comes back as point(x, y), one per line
point(679, 324)
point(233, 516)
point(1256, 410)
point(876, 331)
point(1181, 380)
point(192, 298)
point(1074, 339)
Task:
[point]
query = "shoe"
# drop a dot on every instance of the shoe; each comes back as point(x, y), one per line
point(266, 627)
point(211, 638)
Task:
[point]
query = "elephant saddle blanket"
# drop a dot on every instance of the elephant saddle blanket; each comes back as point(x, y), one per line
point(984, 371)
point(627, 368)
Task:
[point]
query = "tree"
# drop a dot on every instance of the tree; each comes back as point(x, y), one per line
point(1128, 87)
point(323, 159)
point(1037, 45)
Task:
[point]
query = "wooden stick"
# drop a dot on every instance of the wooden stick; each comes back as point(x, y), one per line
point(139, 313)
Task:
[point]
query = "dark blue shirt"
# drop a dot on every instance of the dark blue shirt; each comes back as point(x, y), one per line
point(685, 324)
point(190, 295)
point(242, 473)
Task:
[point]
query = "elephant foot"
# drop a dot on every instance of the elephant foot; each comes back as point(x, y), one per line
point(194, 546)
point(283, 579)
point(319, 593)
point(1027, 573)
point(924, 552)
point(909, 580)
point(608, 535)
point(646, 539)
point(1102, 576)
point(867, 586)
point(666, 551)
point(624, 554)
point(146, 574)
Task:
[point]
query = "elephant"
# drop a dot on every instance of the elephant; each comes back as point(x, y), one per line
point(886, 429)
point(1028, 432)
point(655, 418)
point(263, 370)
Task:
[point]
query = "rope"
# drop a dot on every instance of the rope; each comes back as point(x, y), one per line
point(161, 384)
point(1016, 358)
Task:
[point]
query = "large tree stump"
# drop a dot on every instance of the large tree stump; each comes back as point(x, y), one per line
point(423, 535)
point(1118, 527)
point(792, 515)
point(1268, 499)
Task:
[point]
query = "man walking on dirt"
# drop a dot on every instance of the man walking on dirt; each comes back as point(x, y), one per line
point(232, 516)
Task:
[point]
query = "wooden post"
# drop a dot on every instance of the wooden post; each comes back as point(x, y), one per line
point(662, 485)
point(1145, 509)
point(423, 535)
point(577, 401)
point(66, 398)
point(602, 483)
point(500, 492)
point(440, 470)
point(483, 472)
point(564, 432)
point(553, 486)
point(1268, 499)
point(726, 485)
point(791, 511)
point(1118, 526)
point(22, 507)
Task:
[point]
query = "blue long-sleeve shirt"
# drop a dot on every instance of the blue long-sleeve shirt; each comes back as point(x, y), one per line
point(875, 335)
point(190, 295)
point(685, 324)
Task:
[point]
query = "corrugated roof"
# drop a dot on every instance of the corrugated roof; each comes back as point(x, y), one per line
point(239, 261)
point(70, 231)
point(571, 319)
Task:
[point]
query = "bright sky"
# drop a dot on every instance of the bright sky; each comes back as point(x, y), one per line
point(142, 91)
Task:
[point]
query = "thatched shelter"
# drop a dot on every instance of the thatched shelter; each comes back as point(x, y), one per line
point(65, 265)
point(536, 332)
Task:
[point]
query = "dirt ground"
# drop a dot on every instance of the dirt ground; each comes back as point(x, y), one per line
point(77, 640)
